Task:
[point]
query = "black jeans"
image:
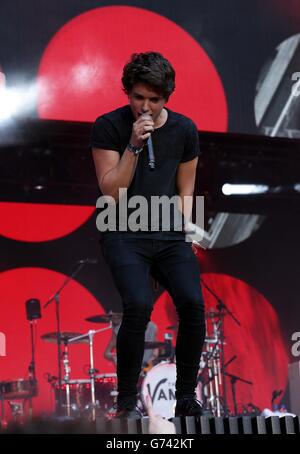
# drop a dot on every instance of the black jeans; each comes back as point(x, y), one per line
point(174, 265)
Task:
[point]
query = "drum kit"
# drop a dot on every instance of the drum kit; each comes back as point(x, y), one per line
point(84, 396)
point(96, 395)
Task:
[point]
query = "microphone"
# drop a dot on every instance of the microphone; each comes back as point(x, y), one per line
point(89, 261)
point(151, 157)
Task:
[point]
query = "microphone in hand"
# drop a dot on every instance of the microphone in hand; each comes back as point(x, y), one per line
point(149, 143)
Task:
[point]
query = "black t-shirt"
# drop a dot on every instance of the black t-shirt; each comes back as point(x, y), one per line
point(175, 142)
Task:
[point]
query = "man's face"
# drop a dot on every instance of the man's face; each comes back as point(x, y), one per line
point(143, 100)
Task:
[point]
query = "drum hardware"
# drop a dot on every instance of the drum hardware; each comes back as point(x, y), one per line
point(56, 298)
point(67, 385)
point(90, 335)
point(215, 380)
point(104, 318)
point(23, 389)
point(33, 313)
point(64, 337)
point(67, 370)
point(151, 345)
point(210, 366)
point(17, 393)
point(216, 318)
point(17, 409)
point(20, 388)
point(80, 394)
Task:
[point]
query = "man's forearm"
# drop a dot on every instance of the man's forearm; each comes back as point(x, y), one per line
point(120, 176)
point(186, 207)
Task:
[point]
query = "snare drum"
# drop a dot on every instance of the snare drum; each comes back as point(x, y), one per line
point(159, 383)
point(18, 389)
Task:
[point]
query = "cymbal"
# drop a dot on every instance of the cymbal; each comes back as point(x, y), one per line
point(65, 337)
point(103, 318)
point(152, 345)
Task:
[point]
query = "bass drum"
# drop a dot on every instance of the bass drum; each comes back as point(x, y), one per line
point(159, 383)
point(80, 393)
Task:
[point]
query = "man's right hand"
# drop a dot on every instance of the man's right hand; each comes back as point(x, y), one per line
point(141, 130)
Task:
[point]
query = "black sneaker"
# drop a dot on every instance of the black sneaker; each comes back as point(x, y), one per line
point(134, 413)
point(127, 408)
point(188, 406)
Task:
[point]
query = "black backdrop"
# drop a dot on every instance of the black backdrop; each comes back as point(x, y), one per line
point(238, 36)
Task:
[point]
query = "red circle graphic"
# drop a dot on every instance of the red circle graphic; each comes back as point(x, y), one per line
point(80, 70)
point(35, 222)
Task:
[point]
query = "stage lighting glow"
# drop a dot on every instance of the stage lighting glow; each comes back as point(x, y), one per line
point(8, 99)
point(244, 189)
point(16, 101)
point(8, 103)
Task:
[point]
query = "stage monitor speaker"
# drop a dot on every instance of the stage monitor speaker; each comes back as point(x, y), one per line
point(294, 387)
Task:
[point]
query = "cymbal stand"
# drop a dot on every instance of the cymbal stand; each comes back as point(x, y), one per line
point(214, 347)
point(217, 383)
point(67, 370)
point(90, 334)
point(210, 377)
point(56, 299)
point(217, 366)
point(222, 311)
point(213, 366)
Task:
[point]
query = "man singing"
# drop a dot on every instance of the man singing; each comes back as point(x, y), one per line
point(122, 152)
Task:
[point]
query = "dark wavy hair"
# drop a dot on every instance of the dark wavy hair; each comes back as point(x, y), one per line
point(149, 68)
